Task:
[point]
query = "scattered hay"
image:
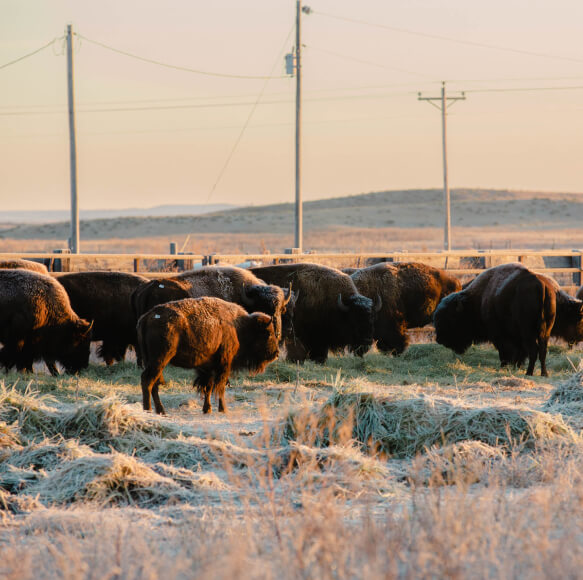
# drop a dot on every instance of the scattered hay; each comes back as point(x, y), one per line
point(47, 455)
point(112, 479)
point(14, 504)
point(513, 384)
point(465, 462)
point(199, 481)
point(104, 423)
point(568, 391)
point(403, 428)
point(15, 479)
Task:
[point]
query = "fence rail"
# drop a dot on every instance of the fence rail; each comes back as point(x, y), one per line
point(564, 265)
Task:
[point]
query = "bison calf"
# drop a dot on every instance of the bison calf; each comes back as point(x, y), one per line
point(207, 334)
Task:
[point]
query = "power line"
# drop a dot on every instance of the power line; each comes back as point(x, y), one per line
point(172, 66)
point(447, 38)
point(361, 61)
point(31, 53)
point(248, 120)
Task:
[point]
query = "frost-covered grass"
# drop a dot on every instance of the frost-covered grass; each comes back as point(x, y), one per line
point(426, 464)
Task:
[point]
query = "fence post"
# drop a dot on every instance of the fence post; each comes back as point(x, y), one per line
point(577, 263)
point(61, 264)
point(136, 264)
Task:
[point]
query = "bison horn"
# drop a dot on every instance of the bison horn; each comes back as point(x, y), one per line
point(341, 304)
point(289, 295)
point(89, 328)
point(378, 303)
point(245, 297)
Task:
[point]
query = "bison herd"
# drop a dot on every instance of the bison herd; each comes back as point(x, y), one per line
point(217, 319)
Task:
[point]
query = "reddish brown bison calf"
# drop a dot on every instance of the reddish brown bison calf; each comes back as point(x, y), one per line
point(207, 334)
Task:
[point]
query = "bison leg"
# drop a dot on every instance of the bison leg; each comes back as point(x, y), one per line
point(150, 379)
point(532, 356)
point(542, 355)
point(52, 366)
point(157, 402)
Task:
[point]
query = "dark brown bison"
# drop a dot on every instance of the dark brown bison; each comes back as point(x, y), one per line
point(329, 313)
point(569, 320)
point(18, 264)
point(207, 334)
point(38, 323)
point(227, 282)
point(509, 306)
point(409, 292)
point(105, 298)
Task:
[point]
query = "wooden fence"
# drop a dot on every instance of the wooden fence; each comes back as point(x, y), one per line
point(564, 265)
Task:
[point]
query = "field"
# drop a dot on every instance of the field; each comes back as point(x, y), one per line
point(372, 222)
point(424, 465)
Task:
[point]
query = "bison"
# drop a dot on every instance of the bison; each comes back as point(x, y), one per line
point(410, 293)
point(227, 282)
point(207, 334)
point(579, 294)
point(508, 305)
point(329, 312)
point(105, 298)
point(38, 323)
point(569, 320)
point(18, 264)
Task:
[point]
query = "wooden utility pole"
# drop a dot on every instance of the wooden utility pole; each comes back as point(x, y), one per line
point(299, 229)
point(443, 106)
point(74, 239)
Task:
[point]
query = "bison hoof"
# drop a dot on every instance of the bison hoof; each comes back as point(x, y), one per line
point(206, 410)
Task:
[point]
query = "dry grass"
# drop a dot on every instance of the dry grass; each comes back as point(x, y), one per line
point(426, 465)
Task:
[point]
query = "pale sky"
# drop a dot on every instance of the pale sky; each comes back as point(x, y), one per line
point(364, 129)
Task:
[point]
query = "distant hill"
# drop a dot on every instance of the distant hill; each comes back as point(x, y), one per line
point(55, 216)
point(413, 219)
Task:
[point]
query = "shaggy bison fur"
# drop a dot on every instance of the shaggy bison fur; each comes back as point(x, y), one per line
point(23, 265)
point(105, 298)
point(207, 334)
point(329, 313)
point(508, 305)
point(38, 323)
point(227, 282)
point(409, 293)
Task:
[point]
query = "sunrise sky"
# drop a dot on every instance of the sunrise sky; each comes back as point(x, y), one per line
point(149, 135)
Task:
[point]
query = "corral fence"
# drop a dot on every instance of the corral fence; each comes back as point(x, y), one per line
point(563, 265)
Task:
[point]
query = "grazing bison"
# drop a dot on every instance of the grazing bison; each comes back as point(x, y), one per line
point(508, 305)
point(38, 323)
point(227, 282)
point(23, 265)
point(329, 313)
point(207, 334)
point(410, 293)
point(105, 298)
point(569, 320)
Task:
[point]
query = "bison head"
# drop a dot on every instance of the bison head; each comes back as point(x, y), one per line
point(268, 299)
point(454, 323)
point(355, 323)
point(258, 343)
point(569, 320)
point(74, 346)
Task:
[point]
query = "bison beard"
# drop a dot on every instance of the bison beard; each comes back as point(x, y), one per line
point(507, 305)
point(207, 334)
